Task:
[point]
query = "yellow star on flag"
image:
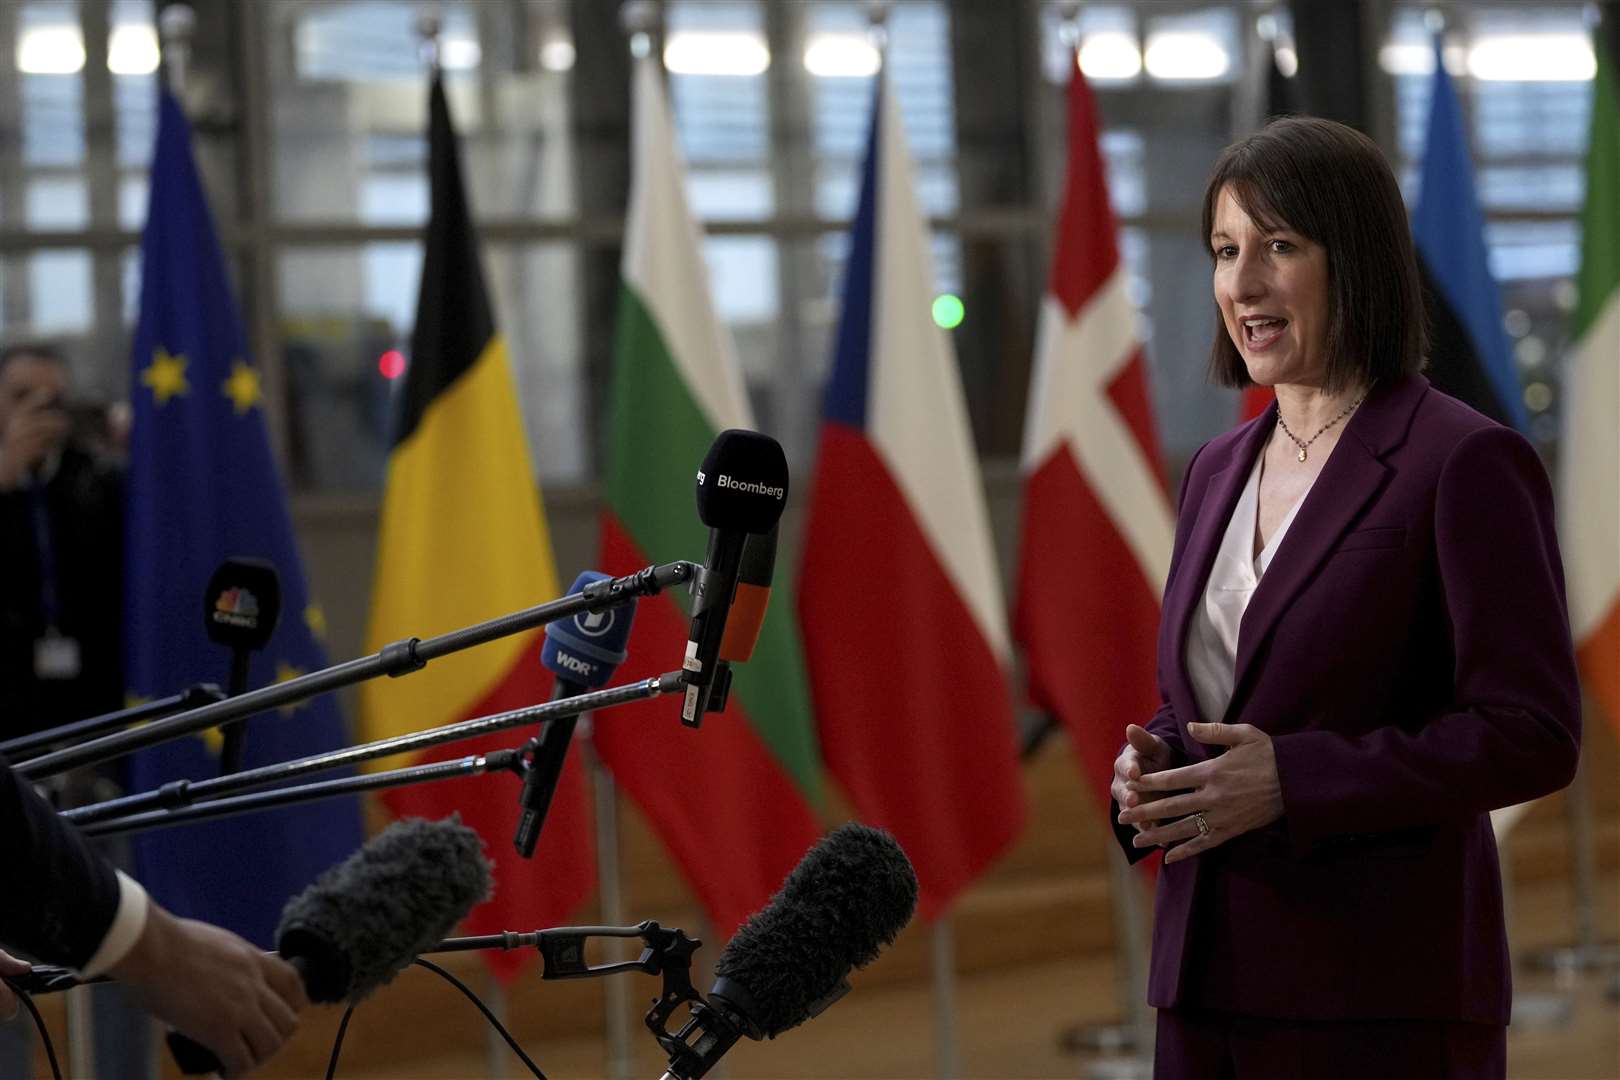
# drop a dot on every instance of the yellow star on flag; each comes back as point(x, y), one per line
point(166, 376)
point(214, 739)
point(315, 619)
point(286, 672)
point(243, 386)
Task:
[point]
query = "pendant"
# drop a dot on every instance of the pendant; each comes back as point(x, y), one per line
point(1302, 453)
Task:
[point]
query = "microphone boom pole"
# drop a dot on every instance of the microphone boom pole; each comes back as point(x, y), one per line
point(184, 793)
point(32, 744)
point(395, 659)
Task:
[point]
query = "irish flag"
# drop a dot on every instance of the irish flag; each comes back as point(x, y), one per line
point(899, 599)
point(1589, 455)
point(734, 801)
point(1097, 526)
point(462, 540)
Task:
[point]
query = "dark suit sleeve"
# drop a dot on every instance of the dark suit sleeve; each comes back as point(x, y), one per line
point(1512, 730)
point(60, 896)
point(1163, 722)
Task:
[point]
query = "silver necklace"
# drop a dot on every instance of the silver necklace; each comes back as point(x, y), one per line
point(1348, 409)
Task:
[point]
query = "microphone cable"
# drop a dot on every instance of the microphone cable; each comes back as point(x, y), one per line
point(44, 1033)
point(343, 1027)
point(27, 1000)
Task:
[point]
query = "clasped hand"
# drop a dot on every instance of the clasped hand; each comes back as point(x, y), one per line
point(1236, 792)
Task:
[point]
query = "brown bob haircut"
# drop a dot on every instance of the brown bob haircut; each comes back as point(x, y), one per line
point(1331, 184)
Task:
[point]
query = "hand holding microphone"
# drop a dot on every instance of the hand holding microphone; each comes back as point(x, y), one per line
point(348, 934)
point(217, 988)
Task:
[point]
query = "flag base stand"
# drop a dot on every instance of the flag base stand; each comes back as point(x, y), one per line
point(1570, 961)
point(1128, 1046)
point(1542, 1010)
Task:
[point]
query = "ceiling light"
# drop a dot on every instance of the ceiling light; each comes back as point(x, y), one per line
point(844, 56)
point(132, 50)
point(1411, 58)
point(1110, 55)
point(1532, 58)
point(1178, 55)
point(50, 50)
point(459, 54)
point(695, 53)
point(557, 54)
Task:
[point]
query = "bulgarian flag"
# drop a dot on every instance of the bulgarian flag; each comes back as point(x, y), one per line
point(1589, 454)
point(899, 598)
point(735, 800)
point(1097, 526)
point(462, 540)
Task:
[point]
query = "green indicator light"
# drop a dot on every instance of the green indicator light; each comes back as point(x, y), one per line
point(948, 311)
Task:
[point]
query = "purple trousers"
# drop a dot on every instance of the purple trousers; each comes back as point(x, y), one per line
point(1194, 1044)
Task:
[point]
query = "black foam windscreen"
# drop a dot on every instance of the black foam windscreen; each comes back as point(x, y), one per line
point(743, 484)
point(848, 897)
point(364, 920)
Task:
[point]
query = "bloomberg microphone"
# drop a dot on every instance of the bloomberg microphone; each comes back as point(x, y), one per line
point(741, 491)
point(584, 652)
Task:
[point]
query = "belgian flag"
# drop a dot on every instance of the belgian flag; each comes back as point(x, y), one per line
point(463, 539)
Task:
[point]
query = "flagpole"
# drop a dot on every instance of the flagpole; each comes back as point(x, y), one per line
point(942, 936)
point(609, 877)
point(1125, 1047)
point(428, 25)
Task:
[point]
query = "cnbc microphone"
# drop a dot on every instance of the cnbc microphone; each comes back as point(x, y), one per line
point(741, 490)
point(584, 652)
point(240, 610)
point(848, 897)
point(364, 920)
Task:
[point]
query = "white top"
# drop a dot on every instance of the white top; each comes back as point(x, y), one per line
point(1212, 639)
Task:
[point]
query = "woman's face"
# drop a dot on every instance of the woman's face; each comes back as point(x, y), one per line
point(1272, 289)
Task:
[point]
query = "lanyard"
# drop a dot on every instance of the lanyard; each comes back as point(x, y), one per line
point(39, 510)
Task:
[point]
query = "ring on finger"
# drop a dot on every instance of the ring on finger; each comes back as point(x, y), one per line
point(1203, 824)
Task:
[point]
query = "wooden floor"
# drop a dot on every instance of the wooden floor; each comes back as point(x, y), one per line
point(1012, 1023)
point(1035, 945)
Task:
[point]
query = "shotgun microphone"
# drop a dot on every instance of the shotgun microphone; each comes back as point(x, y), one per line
point(741, 490)
point(584, 652)
point(364, 920)
point(848, 897)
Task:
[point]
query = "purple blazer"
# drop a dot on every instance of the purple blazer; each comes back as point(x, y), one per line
point(1408, 651)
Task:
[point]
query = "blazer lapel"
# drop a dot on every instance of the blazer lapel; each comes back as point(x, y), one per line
point(1349, 480)
point(1209, 526)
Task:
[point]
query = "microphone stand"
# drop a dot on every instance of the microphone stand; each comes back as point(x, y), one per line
point(395, 659)
point(27, 746)
point(184, 800)
point(694, 1049)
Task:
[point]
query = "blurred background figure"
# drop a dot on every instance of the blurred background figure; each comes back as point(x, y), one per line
point(61, 611)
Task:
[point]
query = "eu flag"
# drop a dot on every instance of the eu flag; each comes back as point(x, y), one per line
point(203, 487)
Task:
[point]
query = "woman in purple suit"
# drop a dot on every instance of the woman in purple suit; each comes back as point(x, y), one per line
point(1364, 650)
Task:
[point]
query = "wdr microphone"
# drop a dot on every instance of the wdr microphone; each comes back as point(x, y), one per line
point(364, 920)
point(848, 897)
point(584, 652)
point(240, 611)
point(741, 491)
